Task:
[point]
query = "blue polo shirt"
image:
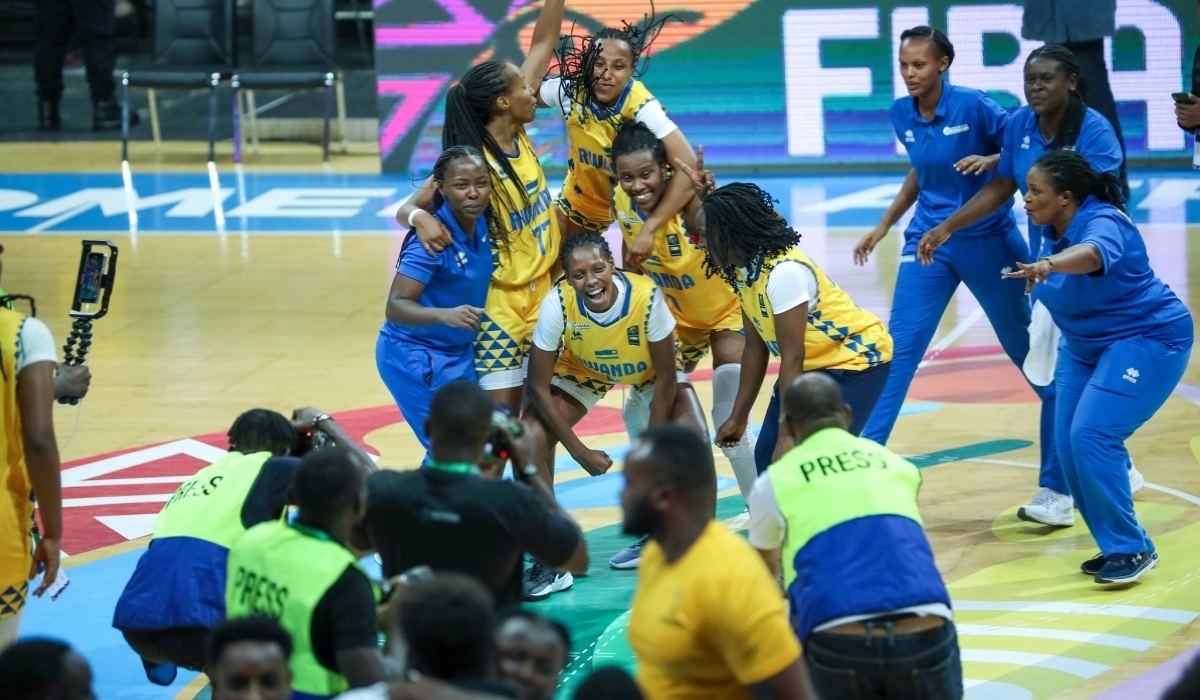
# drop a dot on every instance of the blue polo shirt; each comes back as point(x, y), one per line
point(1123, 299)
point(1024, 144)
point(458, 275)
point(966, 122)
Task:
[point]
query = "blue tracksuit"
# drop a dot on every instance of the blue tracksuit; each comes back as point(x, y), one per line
point(415, 362)
point(1023, 145)
point(966, 122)
point(1126, 341)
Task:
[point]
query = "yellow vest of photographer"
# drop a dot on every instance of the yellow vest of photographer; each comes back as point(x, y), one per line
point(283, 571)
point(209, 505)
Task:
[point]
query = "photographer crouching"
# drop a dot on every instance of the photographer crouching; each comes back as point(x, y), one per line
point(456, 514)
point(177, 591)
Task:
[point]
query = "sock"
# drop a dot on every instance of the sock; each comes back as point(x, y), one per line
point(741, 458)
point(636, 412)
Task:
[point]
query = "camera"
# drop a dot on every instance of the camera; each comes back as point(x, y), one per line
point(308, 440)
point(503, 421)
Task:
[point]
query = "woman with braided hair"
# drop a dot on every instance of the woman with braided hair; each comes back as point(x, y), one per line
point(488, 110)
point(1056, 118)
point(597, 91)
point(790, 310)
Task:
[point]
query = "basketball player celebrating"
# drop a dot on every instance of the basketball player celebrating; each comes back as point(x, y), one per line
point(614, 328)
point(596, 92)
point(706, 310)
point(488, 110)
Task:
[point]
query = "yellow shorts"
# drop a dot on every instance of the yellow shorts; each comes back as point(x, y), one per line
point(595, 223)
point(695, 342)
point(506, 331)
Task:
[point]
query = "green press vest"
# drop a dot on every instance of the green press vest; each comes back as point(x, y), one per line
point(283, 571)
point(209, 505)
point(834, 477)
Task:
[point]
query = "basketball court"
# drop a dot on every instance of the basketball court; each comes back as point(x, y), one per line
point(248, 288)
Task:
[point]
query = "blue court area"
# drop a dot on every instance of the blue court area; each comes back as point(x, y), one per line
point(236, 202)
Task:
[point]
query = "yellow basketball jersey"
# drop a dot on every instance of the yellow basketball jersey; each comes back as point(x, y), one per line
point(616, 353)
point(676, 265)
point(839, 335)
point(590, 179)
point(16, 509)
point(534, 242)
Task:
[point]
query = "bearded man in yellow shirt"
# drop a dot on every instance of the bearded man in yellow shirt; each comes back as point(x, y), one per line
point(708, 620)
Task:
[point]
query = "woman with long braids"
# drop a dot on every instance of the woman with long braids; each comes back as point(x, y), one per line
point(706, 310)
point(436, 301)
point(597, 91)
point(790, 310)
point(1126, 341)
point(945, 128)
point(612, 328)
point(488, 110)
point(1056, 118)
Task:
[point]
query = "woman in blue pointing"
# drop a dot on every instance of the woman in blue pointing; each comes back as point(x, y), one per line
point(1056, 118)
point(943, 126)
point(436, 300)
point(1126, 341)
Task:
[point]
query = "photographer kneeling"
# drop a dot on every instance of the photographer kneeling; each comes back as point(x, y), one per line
point(177, 592)
point(456, 514)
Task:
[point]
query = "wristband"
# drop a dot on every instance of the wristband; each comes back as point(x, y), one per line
point(413, 215)
point(1048, 261)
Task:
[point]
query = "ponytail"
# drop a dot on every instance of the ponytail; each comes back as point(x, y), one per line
point(469, 107)
point(1070, 172)
point(1072, 123)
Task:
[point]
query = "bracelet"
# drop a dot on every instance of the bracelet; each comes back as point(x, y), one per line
point(413, 216)
point(323, 417)
point(1048, 261)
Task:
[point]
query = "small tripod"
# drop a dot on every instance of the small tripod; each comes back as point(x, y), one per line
point(76, 348)
point(94, 286)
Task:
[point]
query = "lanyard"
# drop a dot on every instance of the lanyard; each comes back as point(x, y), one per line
point(453, 467)
point(313, 532)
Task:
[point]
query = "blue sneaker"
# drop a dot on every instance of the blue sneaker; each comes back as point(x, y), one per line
point(160, 674)
point(630, 557)
point(1121, 569)
point(1092, 566)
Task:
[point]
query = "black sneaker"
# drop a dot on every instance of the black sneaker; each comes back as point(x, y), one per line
point(106, 115)
point(1121, 569)
point(48, 117)
point(630, 557)
point(541, 582)
point(1092, 566)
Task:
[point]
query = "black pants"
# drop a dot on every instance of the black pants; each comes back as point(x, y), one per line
point(94, 24)
point(1099, 97)
point(182, 646)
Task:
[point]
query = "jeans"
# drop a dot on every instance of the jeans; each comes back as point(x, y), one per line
point(921, 666)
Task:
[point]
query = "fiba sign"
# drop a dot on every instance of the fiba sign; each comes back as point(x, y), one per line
point(809, 82)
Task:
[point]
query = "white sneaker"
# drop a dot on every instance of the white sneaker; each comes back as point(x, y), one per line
point(1136, 480)
point(1049, 507)
point(738, 522)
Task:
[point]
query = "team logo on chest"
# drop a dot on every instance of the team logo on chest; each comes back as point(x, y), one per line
point(762, 305)
point(673, 245)
point(633, 335)
point(952, 130)
point(908, 137)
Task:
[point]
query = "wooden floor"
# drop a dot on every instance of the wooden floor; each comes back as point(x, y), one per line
point(205, 326)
